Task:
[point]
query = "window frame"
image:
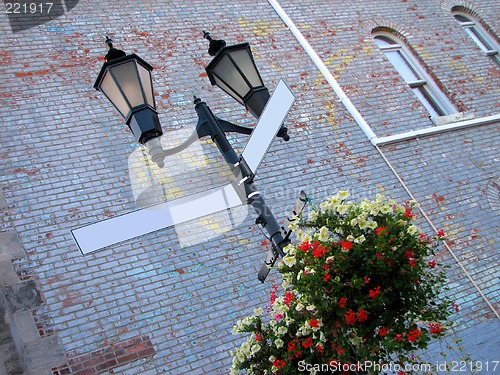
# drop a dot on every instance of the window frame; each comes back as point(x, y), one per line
point(425, 89)
point(478, 34)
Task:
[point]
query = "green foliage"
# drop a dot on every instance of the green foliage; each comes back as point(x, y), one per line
point(361, 285)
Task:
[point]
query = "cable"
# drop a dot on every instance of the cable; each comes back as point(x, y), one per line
point(436, 231)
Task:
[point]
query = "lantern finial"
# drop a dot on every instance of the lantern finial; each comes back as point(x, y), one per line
point(113, 53)
point(215, 45)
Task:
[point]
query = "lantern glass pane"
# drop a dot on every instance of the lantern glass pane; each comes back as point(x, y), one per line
point(110, 89)
point(227, 72)
point(245, 62)
point(147, 84)
point(227, 89)
point(127, 76)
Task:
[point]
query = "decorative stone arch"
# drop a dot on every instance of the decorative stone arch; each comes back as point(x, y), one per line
point(368, 27)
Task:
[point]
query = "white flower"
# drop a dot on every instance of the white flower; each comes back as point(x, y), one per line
point(335, 201)
point(282, 330)
point(309, 271)
point(412, 229)
point(245, 349)
point(258, 311)
point(255, 348)
point(360, 239)
point(344, 194)
point(325, 206)
point(279, 343)
point(385, 209)
point(247, 321)
point(342, 209)
point(372, 224)
point(289, 260)
point(313, 215)
point(290, 250)
point(362, 223)
point(354, 222)
point(350, 238)
point(240, 355)
point(323, 234)
point(304, 237)
point(311, 308)
point(293, 226)
point(299, 307)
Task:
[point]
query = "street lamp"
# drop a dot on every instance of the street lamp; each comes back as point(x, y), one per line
point(233, 69)
point(126, 82)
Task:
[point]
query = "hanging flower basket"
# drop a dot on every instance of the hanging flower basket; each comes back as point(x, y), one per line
point(361, 289)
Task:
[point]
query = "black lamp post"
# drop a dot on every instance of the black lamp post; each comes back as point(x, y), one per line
point(126, 82)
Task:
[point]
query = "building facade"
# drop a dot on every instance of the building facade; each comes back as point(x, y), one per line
point(416, 117)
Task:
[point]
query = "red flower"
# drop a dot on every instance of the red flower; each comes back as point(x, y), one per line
point(362, 315)
point(455, 306)
point(413, 335)
point(320, 349)
point(257, 337)
point(305, 247)
point(273, 297)
point(374, 292)
point(398, 337)
point(435, 329)
point(412, 263)
point(383, 331)
point(346, 245)
point(381, 231)
point(379, 255)
point(288, 298)
point(314, 323)
point(291, 346)
point(408, 213)
point(409, 254)
point(441, 234)
point(366, 279)
point(279, 363)
point(326, 278)
point(319, 251)
point(307, 343)
point(342, 302)
point(350, 317)
point(432, 264)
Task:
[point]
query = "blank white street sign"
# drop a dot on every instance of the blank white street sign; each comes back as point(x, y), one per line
point(267, 127)
point(121, 228)
point(137, 223)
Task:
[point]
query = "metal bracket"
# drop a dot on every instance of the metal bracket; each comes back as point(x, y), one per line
point(274, 253)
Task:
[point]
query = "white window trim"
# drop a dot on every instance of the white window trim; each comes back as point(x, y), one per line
point(434, 96)
point(479, 35)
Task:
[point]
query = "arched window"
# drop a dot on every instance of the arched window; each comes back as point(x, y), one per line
point(478, 34)
point(433, 99)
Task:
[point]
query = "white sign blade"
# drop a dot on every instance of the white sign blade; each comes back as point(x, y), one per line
point(267, 127)
point(121, 228)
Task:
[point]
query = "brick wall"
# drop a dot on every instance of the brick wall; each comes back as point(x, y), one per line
point(65, 151)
